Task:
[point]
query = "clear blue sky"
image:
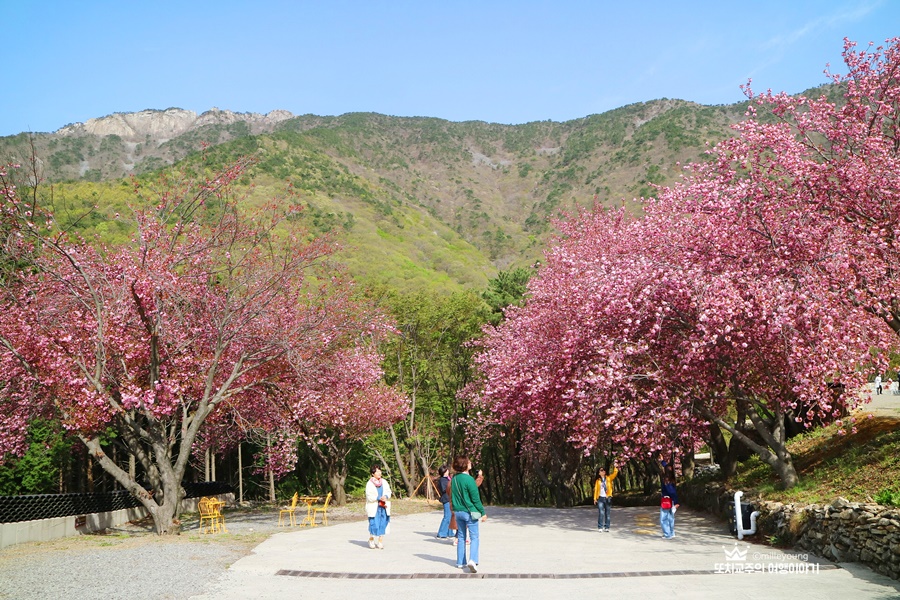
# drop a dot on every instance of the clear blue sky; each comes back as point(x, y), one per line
point(502, 61)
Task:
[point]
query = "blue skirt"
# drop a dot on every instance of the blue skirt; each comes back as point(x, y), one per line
point(379, 522)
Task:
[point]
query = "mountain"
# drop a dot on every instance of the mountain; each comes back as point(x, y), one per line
point(416, 201)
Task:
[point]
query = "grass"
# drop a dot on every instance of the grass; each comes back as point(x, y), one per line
point(858, 459)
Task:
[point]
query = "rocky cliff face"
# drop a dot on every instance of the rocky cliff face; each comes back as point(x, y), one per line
point(170, 123)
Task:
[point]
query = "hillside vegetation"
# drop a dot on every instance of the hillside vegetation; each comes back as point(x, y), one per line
point(859, 461)
point(415, 202)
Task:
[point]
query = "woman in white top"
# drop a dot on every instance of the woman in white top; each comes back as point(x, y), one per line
point(378, 507)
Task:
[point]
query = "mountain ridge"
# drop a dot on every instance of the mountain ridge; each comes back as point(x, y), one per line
point(170, 122)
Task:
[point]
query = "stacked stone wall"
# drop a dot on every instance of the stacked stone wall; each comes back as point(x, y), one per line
point(842, 531)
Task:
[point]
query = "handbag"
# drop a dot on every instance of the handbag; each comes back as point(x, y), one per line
point(666, 503)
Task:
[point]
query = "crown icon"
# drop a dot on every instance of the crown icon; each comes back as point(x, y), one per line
point(735, 553)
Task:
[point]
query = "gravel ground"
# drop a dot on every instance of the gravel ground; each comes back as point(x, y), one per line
point(131, 561)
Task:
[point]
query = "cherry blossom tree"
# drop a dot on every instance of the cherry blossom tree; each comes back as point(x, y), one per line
point(209, 311)
point(338, 412)
point(576, 360)
point(837, 165)
point(754, 283)
point(638, 333)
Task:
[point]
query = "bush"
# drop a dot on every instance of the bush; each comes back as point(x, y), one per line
point(888, 497)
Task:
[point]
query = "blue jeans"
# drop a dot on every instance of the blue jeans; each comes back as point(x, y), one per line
point(603, 506)
point(444, 529)
point(667, 522)
point(464, 521)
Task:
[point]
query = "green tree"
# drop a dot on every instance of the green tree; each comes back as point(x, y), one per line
point(431, 362)
point(40, 469)
point(507, 289)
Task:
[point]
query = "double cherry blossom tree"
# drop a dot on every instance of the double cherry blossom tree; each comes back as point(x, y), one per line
point(212, 315)
point(766, 282)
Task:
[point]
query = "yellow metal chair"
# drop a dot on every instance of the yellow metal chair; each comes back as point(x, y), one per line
point(219, 506)
point(210, 517)
point(323, 510)
point(291, 512)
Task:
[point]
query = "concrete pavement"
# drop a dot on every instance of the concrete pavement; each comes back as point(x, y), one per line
point(542, 553)
point(885, 404)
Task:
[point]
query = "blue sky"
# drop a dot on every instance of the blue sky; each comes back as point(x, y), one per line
point(501, 61)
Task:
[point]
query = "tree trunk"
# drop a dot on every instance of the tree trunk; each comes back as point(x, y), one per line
point(775, 454)
point(722, 454)
point(407, 483)
point(240, 475)
point(564, 465)
point(163, 499)
point(269, 471)
point(337, 477)
point(687, 464)
point(515, 466)
point(165, 515)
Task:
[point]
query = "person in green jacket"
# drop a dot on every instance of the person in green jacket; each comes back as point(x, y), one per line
point(468, 510)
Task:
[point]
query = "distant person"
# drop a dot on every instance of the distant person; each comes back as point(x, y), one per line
point(378, 507)
point(878, 385)
point(668, 503)
point(468, 510)
point(443, 487)
point(603, 492)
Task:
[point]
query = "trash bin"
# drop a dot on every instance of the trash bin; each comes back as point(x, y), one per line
point(746, 510)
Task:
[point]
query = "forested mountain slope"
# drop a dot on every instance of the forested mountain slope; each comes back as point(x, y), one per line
point(414, 201)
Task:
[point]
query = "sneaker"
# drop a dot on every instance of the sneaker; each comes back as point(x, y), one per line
point(460, 566)
point(473, 567)
point(372, 543)
point(380, 546)
point(606, 530)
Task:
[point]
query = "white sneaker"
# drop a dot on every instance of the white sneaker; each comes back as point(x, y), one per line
point(473, 567)
point(372, 543)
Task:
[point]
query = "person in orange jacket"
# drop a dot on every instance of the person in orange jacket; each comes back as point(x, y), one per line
point(603, 492)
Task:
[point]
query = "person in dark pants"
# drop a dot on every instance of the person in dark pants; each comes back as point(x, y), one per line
point(443, 484)
point(603, 492)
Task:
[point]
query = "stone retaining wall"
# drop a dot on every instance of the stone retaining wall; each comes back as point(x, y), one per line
point(842, 531)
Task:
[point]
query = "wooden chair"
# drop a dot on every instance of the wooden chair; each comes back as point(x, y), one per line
point(291, 512)
point(323, 510)
point(210, 515)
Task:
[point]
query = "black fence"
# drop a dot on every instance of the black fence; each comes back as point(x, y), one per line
point(14, 509)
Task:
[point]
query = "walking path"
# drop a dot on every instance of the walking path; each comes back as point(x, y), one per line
point(541, 553)
point(885, 404)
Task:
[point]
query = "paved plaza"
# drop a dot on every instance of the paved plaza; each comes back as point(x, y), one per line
point(542, 553)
